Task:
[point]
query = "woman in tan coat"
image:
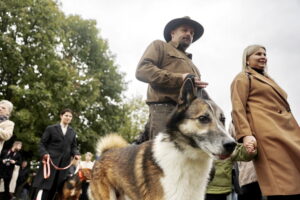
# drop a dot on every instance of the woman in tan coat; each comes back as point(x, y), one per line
point(262, 115)
point(6, 126)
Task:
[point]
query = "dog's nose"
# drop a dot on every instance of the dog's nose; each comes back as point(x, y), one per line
point(229, 146)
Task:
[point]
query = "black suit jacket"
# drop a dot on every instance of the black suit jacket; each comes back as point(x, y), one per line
point(61, 149)
point(6, 171)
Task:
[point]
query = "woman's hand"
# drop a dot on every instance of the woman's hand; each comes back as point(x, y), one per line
point(250, 144)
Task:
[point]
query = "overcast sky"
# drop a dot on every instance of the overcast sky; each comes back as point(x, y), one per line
point(130, 26)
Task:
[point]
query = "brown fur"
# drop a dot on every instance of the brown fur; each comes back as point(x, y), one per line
point(113, 165)
point(194, 134)
point(71, 189)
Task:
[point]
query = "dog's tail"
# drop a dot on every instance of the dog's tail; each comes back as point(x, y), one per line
point(110, 141)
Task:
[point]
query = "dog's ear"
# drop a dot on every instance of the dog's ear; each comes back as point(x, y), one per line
point(187, 92)
point(201, 93)
point(186, 96)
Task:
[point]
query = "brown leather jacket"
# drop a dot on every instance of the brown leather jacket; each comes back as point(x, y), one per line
point(162, 66)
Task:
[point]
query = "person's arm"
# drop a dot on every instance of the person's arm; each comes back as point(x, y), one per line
point(239, 97)
point(44, 143)
point(18, 159)
point(240, 154)
point(6, 131)
point(149, 68)
point(74, 149)
point(3, 156)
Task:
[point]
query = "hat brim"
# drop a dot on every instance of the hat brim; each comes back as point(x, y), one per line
point(173, 24)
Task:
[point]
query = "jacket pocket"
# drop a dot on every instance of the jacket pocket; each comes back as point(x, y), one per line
point(175, 55)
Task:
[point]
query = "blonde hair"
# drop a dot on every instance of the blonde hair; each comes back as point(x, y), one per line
point(88, 154)
point(8, 104)
point(248, 51)
point(17, 143)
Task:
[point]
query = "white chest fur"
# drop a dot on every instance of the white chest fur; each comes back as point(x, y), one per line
point(185, 172)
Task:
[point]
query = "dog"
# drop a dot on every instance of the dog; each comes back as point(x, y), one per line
point(175, 165)
point(72, 186)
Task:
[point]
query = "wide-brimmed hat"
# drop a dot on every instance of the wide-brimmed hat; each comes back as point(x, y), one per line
point(173, 24)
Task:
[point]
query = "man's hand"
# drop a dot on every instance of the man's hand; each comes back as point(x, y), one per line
point(199, 83)
point(46, 157)
point(77, 157)
point(196, 80)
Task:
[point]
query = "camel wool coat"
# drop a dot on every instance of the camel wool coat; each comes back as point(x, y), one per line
point(260, 108)
point(6, 132)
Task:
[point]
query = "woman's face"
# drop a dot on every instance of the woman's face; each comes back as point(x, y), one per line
point(66, 118)
point(258, 59)
point(4, 111)
point(88, 157)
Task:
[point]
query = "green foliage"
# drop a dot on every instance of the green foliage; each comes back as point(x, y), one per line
point(49, 61)
point(135, 116)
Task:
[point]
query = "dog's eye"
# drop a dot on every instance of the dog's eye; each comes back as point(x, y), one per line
point(204, 119)
point(222, 119)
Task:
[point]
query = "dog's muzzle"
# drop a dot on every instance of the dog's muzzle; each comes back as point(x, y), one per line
point(229, 146)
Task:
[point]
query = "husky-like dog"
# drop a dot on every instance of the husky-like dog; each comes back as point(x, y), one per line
point(173, 166)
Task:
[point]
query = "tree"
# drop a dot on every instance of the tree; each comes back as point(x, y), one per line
point(135, 116)
point(48, 62)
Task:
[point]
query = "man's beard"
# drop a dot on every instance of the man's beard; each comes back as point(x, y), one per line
point(183, 45)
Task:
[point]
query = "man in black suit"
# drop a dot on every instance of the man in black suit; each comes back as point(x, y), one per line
point(59, 143)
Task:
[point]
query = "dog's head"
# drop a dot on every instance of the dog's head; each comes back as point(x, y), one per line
point(72, 185)
point(200, 123)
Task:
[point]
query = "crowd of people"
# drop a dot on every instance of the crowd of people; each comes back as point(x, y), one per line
point(261, 115)
point(58, 143)
point(262, 123)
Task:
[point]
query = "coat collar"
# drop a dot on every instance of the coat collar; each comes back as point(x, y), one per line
point(176, 44)
point(58, 128)
point(270, 82)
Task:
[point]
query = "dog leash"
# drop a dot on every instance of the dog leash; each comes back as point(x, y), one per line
point(46, 166)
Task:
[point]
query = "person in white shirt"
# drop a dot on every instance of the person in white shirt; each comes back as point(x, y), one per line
point(59, 144)
point(87, 163)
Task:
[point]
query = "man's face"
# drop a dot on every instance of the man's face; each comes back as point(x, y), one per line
point(66, 118)
point(184, 35)
point(24, 164)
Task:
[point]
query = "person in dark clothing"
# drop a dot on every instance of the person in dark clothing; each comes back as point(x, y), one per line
point(22, 182)
point(9, 158)
point(58, 143)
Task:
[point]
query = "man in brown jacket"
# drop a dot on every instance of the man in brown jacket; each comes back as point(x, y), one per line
point(164, 66)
